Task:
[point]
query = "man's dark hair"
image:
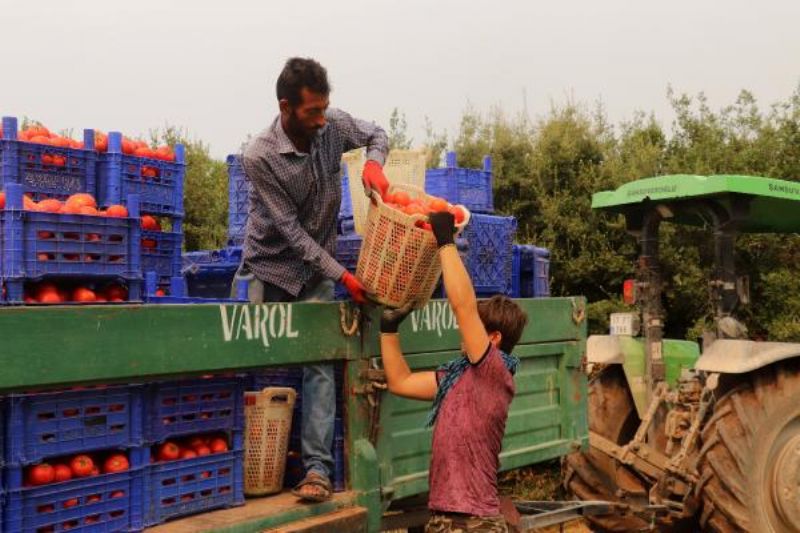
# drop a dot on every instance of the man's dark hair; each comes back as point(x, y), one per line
point(501, 313)
point(301, 72)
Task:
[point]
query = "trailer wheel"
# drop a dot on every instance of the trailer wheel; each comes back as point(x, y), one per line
point(594, 475)
point(749, 462)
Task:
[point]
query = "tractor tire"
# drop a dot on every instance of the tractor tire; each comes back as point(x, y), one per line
point(749, 460)
point(596, 476)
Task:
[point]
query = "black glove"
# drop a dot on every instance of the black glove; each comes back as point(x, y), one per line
point(443, 225)
point(391, 318)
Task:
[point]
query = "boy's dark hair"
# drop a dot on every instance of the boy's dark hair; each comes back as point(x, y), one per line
point(301, 72)
point(501, 313)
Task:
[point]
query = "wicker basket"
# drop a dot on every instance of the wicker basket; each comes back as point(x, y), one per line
point(401, 167)
point(268, 422)
point(399, 262)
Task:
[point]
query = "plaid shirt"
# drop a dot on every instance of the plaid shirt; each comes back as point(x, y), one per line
point(295, 197)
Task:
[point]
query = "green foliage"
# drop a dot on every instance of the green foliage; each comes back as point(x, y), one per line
point(205, 191)
point(398, 131)
point(546, 172)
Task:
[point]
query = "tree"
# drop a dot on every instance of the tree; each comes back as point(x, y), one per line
point(398, 127)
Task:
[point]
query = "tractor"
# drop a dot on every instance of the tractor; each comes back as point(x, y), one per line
point(685, 435)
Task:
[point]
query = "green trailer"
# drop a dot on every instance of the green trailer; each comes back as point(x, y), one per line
point(387, 445)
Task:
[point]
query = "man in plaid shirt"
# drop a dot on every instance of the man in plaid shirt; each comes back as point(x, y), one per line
point(289, 251)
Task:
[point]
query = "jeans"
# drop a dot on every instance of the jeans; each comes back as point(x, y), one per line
point(319, 389)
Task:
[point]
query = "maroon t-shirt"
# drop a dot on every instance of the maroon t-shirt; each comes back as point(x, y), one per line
point(467, 438)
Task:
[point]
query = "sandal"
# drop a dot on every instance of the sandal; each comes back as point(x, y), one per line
point(320, 482)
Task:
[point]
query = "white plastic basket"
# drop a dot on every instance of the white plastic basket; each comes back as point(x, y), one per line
point(401, 167)
point(398, 262)
point(268, 422)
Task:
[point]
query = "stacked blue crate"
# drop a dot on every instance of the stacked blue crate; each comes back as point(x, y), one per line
point(471, 188)
point(85, 249)
point(51, 427)
point(155, 292)
point(238, 192)
point(348, 248)
point(31, 165)
point(159, 185)
point(531, 271)
point(488, 241)
point(186, 408)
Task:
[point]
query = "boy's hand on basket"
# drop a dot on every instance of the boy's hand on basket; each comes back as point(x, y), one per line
point(373, 178)
point(443, 225)
point(391, 318)
point(354, 287)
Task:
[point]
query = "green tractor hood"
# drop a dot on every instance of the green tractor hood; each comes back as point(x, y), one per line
point(764, 205)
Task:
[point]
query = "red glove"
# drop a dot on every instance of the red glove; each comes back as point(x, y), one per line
point(373, 178)
point(354, 287)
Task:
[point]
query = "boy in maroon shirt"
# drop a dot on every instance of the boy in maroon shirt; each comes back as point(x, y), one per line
point(471, 395)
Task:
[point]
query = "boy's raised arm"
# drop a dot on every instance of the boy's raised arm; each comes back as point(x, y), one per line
point(399, 378)
point(458, 286)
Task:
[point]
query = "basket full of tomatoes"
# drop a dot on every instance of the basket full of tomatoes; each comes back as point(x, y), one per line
point(398, 263)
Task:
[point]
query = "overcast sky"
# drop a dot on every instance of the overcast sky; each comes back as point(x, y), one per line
point(210, 66)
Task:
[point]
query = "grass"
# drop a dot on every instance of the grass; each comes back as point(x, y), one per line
point(537, 482)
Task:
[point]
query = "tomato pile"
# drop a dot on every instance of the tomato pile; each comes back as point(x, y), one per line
point(77, 466)
point(78, 204)
point(47, 292)
point(401, 201)
point(38, 134)
point(189, 448)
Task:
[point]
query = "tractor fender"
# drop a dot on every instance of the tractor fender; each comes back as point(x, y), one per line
point(606, 349)
point(734, 356)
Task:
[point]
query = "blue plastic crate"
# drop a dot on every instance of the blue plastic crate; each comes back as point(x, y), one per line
point(161, 250)
point(238, 191)
point(346, 206)
point(468, 187)
point(489, 254)
point(516, 274)
point(30, 165)
point(174, 408)
point(209, 273)
point(347, 249)
point(104, 503)
point(44, 424)
point(190, 486)
point(535, 272)
point(35, 244)
point(119, 175)
point(339, 470)
point(175, 289)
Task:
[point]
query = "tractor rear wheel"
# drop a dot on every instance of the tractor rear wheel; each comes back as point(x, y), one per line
point(596, 476)
point(749, 462)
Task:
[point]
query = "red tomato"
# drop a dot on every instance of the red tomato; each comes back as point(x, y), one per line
point(62, 473)
point(401, 198)
point(82, 294)
point(458, 214)
point(117, 494)
point(116, 292)
point(82, 466)
point(2, 200)
point(437, 205)
point(82, 198)
point(169, 451)
point(150, 223)
point(117, 211)
point(100, 141)
point(88, 210)
point(218, 445)
point(59, 160)
point(143, 151)
point(47, 159)
point(49, 205)
point(188, 453)
point(40, 139)
point(127, 146)
point(50, 298)
point(72, 502)
point(116, 463)
point(41, 474)
point(203, 450)
point(57, 140)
